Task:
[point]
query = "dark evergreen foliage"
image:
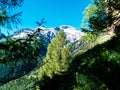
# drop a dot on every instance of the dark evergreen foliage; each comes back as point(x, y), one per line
point(7, 19)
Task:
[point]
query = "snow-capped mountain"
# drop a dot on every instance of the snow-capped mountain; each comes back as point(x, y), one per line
point(72, 34)
point(46, 35)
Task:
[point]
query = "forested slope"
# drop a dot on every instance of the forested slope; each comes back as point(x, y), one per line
point(92, 63)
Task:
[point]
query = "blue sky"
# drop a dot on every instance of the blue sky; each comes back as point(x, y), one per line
point(55, 12)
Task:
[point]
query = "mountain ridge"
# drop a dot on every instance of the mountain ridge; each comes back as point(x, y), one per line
point(72, 34)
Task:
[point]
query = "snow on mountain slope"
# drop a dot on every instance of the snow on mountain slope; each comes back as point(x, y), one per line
point(21, 33)
point(72, 33)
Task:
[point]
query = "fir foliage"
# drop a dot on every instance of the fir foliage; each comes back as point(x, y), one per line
point(7, 19)
point(57, 60)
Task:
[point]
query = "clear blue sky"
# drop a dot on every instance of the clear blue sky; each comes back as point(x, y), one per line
point(55, 12)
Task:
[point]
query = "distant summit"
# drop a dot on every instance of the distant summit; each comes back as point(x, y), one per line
point(72, 33)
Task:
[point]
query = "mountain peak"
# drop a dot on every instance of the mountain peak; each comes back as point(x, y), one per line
point(65, 26)
point(72, 33)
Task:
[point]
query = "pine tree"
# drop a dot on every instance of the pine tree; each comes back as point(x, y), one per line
point(7, 19)
point(58, 58)
point(94, 18)
point(102, 15)
point(11, 49)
